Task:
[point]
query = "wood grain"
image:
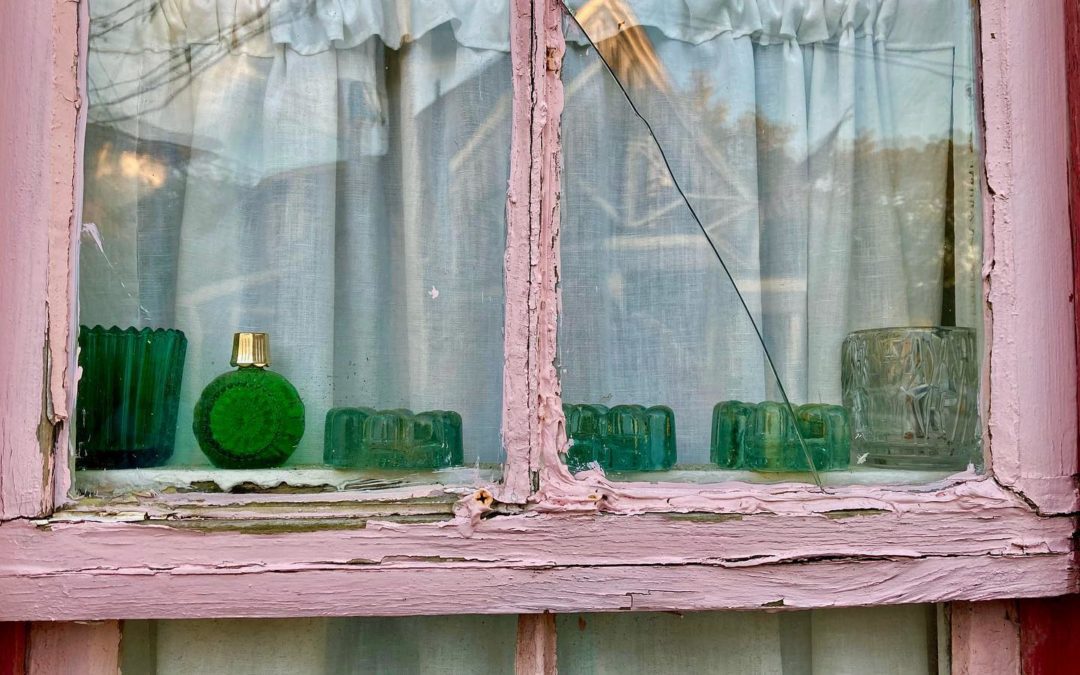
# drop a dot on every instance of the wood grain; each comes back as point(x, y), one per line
point(851, 551)
point(985, 638)
point(535, 653)
point(74, 648)
point(1028, 265)
point(38, 164)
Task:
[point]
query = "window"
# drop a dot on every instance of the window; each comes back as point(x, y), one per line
point(766, 244)
point(337, 181)
point(792, 643)
point(813, 181)
point(523, 533)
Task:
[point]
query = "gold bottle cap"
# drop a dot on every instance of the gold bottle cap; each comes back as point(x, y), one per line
point(251, 349)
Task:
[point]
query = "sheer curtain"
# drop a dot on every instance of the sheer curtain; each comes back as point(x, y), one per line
point(827, 146)
point(900, 640)
point(333, 173)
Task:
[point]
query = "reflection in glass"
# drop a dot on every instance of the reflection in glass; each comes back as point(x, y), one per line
point(913, 396)
point(333, 174)
point(903, 640)
point(447, 645)
point(829, 151)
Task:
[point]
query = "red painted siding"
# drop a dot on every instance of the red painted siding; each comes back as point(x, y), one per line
point(13, 648)
point(1072, 66)
point(1050, 635)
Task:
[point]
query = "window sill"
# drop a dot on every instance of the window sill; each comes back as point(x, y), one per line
point(283, 480)
point(792, 546)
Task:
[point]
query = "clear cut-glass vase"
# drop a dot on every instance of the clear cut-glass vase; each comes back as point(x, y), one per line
point(913, 396)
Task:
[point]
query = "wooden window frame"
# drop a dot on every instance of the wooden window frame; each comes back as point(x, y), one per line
point(543, 540)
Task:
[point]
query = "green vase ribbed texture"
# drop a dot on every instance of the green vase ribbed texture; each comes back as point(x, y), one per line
point(249, 418)
point(129, 394)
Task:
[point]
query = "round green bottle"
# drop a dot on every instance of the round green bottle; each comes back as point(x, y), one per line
point(251, 417)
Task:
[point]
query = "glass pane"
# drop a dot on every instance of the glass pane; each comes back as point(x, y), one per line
point(330, 174)
point(803, 224)
point(443, 645)
point(902, 640)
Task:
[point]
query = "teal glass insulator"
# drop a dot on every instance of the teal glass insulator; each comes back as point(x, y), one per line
point(129, 395)
point(364, 438)
point(729, 425)
point(766, 437)
point(622, 438)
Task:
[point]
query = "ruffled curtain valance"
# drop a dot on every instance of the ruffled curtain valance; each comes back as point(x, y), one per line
point(903, 24)
point(255, 27)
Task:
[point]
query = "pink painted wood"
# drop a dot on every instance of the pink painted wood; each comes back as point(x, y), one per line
point(38, 186)
point(1028, 267)
point(809, 549)
point(74, 648)
point(985, 638)
point(737, 546)
point(517, 386)
point(1032, 426)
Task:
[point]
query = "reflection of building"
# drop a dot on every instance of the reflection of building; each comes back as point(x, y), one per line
point(623, 42)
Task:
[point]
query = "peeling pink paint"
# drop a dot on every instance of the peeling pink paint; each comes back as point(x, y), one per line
point(855, 547)
point(550, 435)
point(1032, 422)
point(517, 411)
point(1032, 364)
point(38, 184)
point(741, 546)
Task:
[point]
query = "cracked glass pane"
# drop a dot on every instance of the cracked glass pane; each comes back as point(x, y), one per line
point(771, 242)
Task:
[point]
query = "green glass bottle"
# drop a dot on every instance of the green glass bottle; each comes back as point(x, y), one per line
point(251, 417)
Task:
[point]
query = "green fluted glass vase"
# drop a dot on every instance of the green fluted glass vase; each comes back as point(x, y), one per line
point(251, 417)
point(129, 393)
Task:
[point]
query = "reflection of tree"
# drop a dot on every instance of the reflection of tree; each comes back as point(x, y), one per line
point(923, 188)
point(176, 69)
point(629, 52)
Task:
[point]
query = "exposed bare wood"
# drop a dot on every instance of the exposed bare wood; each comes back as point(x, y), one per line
point(535, 653)
point(74, 648)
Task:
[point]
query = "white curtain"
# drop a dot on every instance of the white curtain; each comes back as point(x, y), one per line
point(901, 640)
point(333, 173)
point(827, 146)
